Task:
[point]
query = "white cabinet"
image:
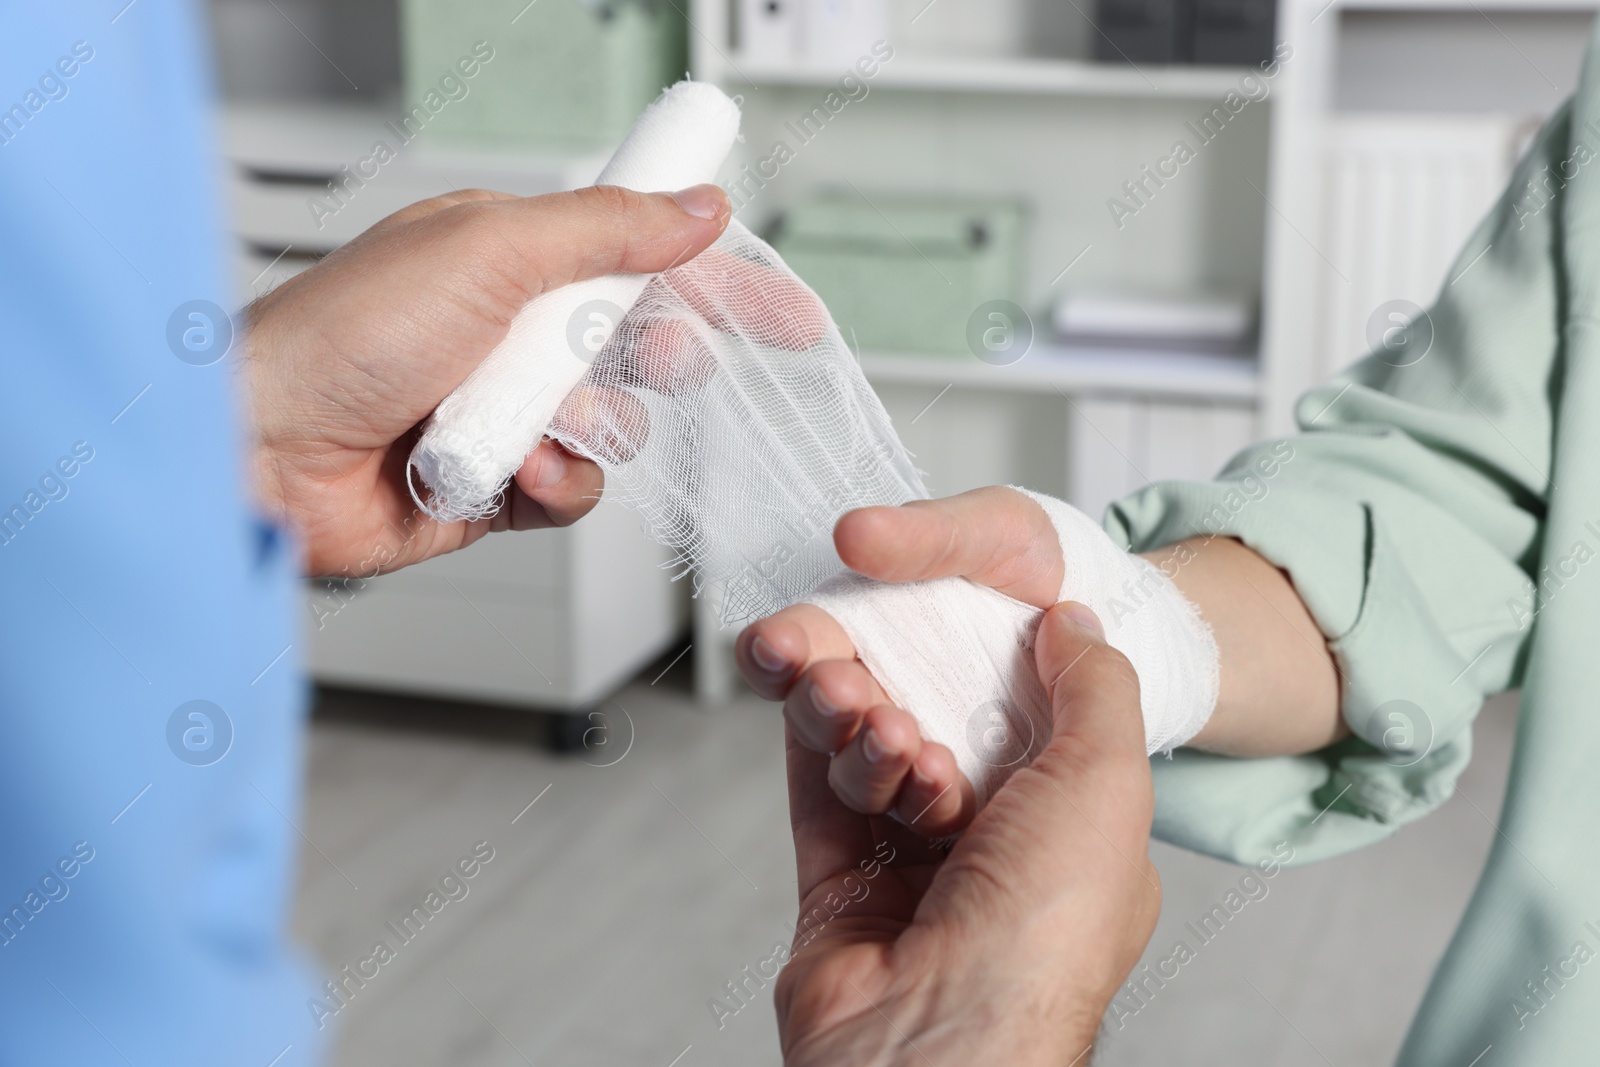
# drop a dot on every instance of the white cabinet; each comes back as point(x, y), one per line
point(548, 618)
point(1116, 445)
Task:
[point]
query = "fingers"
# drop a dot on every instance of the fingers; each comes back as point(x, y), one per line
point(667, 356)
point(544, 242)
point(736, 295)
point(880, 763)
point(773, 651)
point(995, 536)
point(605, 422)
point(826, 706)
point(565, 487)
point(868, 773)
point(804, 658)
point(936, 799)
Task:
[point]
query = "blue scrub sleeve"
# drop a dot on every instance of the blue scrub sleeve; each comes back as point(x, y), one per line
point(153, 720)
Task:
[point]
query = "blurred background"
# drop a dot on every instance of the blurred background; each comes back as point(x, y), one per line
point(1078, 245)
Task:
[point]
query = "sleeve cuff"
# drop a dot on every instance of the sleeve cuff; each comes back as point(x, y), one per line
point(1405, 695)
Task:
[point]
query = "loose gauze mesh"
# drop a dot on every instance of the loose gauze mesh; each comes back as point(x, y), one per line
point(729, 411)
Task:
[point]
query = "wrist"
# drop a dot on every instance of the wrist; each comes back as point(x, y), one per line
point(1279, 686)
point(1148, 618)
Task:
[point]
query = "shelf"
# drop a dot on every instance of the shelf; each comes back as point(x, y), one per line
point(1080, 370)
point(1020, 75)
point(1529, 7)
point(292, 141)
point(285, 156)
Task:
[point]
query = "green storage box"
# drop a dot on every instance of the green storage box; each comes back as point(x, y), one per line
point(564, 74)
point(906, 274)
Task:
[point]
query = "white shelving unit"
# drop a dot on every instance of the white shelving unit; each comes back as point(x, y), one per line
point(1108, 419)
point(1018, 75)
point(1113, 372)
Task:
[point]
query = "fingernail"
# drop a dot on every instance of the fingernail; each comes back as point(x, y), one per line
point(1085, 619)
point(552, 468)
point(702, 201)
point(767, 657)
point(872, 748)
point(920, 777)
point(825, 707)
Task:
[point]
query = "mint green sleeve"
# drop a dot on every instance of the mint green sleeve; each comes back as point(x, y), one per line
point(1407, 512)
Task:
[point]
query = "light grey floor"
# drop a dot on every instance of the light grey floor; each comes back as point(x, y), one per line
point(653, 866)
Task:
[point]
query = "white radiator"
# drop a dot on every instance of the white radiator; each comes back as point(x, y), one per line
point(1402, 194)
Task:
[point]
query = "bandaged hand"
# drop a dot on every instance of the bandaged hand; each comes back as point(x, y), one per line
point(1008, 949)
point(345, 360)
point(921, 690)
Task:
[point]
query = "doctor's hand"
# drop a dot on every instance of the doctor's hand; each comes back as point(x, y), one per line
point(877, 761)
point(1008, 950)
point(347, 359)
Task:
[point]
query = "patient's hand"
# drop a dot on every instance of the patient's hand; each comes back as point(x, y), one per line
point(349, 357)
point(1009, 950)
point(879, 763)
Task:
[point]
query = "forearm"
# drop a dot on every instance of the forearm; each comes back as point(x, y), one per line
point(1279, 689)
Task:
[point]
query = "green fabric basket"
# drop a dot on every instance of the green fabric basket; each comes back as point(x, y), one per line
point(564, 74)
point(905, 274)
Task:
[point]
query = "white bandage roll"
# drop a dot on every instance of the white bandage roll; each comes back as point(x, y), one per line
point(960, 657)
point(481, 433)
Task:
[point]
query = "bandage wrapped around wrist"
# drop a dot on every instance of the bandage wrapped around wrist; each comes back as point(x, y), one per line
point(960, 656)
point(723, 404)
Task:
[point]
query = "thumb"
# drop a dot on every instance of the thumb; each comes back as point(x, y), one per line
point(1094, 691)
point(1092, 783)
point(545, 242)
point(1088, 795)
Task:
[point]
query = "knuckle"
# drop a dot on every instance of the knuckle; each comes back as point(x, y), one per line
point(610, 199)
point(471, 227)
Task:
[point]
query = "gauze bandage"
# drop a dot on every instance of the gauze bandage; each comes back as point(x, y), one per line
point(959, 656)
point(481, 433)
point(724, 405)
point(727, 409)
